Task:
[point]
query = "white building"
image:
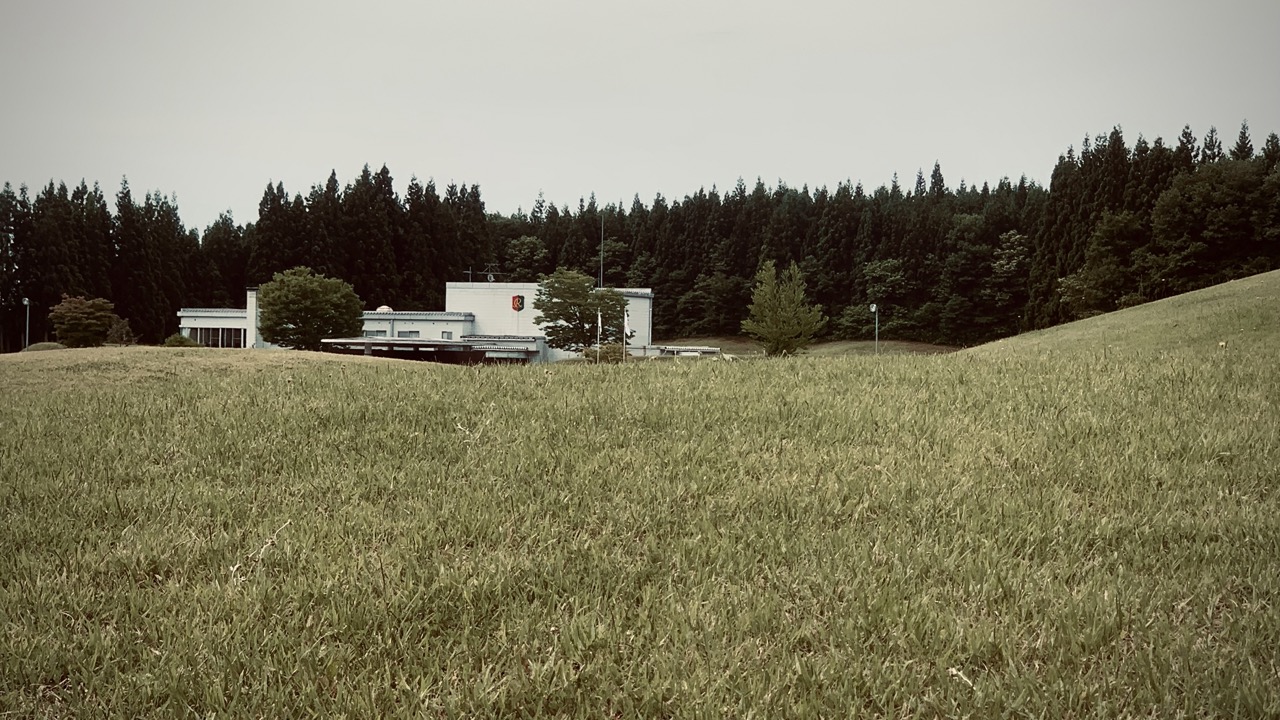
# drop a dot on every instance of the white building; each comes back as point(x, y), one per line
point(480, 322)
point(224, 327)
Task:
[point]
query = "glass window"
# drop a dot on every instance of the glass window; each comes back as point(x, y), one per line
point(446, 335)
point(408, 334)
point(218, 337)
point(375, 333)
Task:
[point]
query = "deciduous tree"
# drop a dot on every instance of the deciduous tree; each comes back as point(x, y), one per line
point(299, 309)
point(569, 308)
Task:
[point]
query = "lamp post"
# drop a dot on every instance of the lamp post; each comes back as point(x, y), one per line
point(26, 336)
point(876, 311)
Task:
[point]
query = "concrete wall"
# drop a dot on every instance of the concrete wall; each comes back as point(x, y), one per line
point(427, 328)
point(491, 305)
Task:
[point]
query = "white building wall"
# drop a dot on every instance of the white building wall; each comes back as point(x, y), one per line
point(491, 305)
point(427, 328)
point(254, 337)
point(640, 316)
point(192, 319)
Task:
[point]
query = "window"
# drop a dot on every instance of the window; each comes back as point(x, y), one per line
point(375, 333)
point(408, 334)
point(446, 335)
point(218, 337)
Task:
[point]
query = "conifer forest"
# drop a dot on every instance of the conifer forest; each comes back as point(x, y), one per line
point(1119, 224)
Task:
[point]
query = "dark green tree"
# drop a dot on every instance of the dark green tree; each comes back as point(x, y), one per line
point(372, 214)
point(780, 315)
point(1211, 149)
point(571, 309)
point(78, 322)
point(1243, 149)
point(299, 309)
point(226, 252)
point(137, 271)
point(526, 259)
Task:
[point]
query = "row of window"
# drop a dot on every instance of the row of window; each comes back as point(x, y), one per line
point(218, 337)
point(444, 334)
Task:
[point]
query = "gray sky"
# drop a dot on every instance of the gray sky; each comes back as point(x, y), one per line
point(211, 101)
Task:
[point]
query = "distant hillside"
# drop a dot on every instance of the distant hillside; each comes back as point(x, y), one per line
point(1243, 313)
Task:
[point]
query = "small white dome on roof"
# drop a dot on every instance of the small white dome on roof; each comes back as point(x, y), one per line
point(384, 308)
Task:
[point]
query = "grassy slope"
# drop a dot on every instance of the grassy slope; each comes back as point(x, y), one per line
point(1244, 313)
point(1080, 522)
point(743, 346)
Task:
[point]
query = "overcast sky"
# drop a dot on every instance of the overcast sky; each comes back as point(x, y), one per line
point(211, 101)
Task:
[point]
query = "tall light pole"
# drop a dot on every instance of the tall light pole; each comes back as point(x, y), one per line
point(26, 336)
point(876, 311)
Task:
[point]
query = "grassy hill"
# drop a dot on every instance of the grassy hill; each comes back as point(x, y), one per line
point(1078, 522)
point(1244, 314)
point(744, 346)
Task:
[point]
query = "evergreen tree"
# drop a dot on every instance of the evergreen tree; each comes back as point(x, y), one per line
point(1271, 152)
point(937, 186)
point(371, 214)
point(779, 315)
point(1187, 152)
point(1243, 149)
point(176, 255)
point(324, 250)
point(226, 254)
point(78, 322)
point(137, 271)
point(273, 246)
point(426, 262)
point(12, 311)
point(1211, 150)
point(93, 235)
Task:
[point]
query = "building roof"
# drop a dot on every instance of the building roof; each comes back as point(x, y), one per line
point(523, 338)
point(418, 315)
point(233, 312)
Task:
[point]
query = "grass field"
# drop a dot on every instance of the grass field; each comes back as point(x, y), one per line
point(746, 347)
point(1083, 522)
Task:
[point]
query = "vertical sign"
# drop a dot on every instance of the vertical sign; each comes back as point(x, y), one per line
point(517, 304)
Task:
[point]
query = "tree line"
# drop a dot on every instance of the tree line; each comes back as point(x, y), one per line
point(1118, 225)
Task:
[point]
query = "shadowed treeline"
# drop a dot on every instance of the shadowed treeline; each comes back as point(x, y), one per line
point(1118, 226)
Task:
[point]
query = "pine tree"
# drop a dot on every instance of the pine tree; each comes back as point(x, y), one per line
point(12, 311)
point(226, 252)
point(780, 316)
point(1243, 149)
point(1271, 152)
point(1187, 152)
point(937, 186)
point(1211, 150)
point(137, 270)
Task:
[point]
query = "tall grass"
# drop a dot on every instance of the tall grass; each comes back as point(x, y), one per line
point(1084, 526)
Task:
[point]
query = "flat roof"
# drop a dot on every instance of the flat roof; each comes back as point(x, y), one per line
point(419, 314)
point(524, 338)
point(237, 312)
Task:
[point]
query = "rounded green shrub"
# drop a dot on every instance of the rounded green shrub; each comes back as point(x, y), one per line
point(180, 340)
point(45, 346)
